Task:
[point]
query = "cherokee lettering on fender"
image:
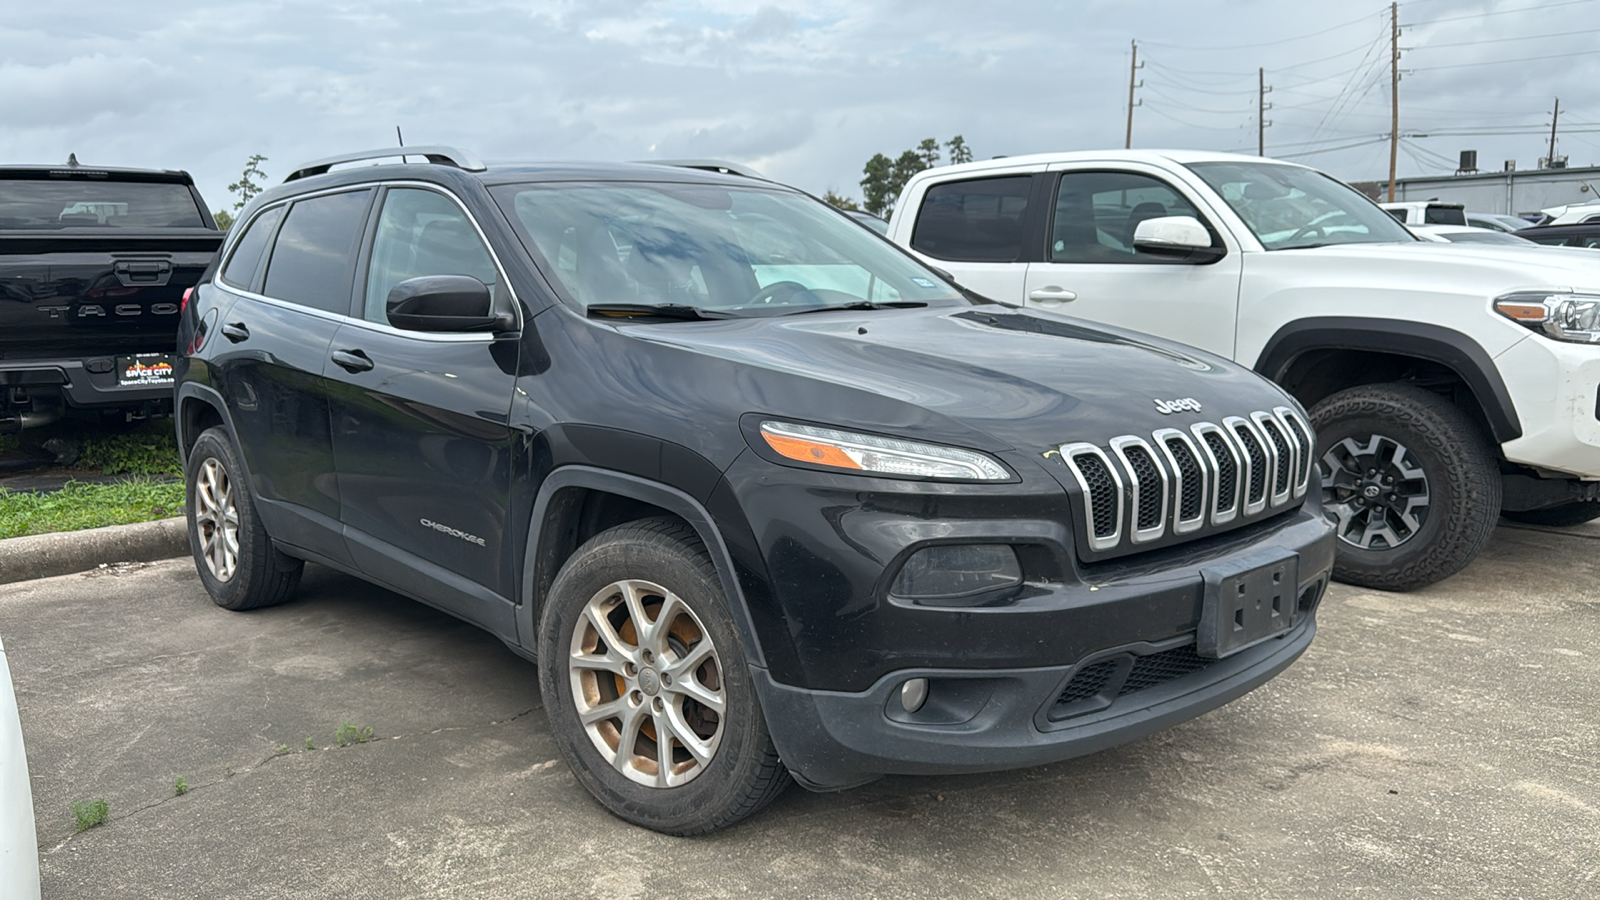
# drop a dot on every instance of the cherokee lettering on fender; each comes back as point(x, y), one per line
point(453, 532)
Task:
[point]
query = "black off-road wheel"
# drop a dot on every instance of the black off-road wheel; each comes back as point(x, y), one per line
point(1575, 513)
point(1408, 481)
point(646, 685)
point(238, 564)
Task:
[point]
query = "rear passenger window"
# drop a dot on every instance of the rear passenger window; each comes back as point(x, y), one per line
point(973, 221)
point(1097, 212)
point(313, 261)
point(246, 259)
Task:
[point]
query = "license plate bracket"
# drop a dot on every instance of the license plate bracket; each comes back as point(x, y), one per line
point(145, 370)
point(1246, 602)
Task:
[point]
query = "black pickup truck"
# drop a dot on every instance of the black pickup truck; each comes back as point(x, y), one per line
point(94, 264)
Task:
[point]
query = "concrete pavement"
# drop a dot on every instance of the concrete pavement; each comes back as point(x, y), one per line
point(1444, 743)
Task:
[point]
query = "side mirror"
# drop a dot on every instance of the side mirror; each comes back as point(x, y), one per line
point(1178, 236)
point(448, 303)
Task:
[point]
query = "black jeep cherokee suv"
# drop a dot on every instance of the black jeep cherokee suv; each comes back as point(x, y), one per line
point(763, 494)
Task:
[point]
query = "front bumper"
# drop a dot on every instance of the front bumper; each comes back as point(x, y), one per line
point(832, 741)
point(1556, 389)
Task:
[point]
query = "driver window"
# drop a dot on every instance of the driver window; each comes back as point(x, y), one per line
point(422, 233)
point(1096, 214)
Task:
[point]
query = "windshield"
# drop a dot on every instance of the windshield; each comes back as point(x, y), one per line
point(1287, 207)
point(77, 203)
point(739, 251)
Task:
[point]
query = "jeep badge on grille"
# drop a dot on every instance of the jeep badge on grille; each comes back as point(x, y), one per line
point(1186, 404)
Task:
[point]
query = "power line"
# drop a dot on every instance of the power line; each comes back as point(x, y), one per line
point(1298, 37)
point(1501, 62)
point(1382, 138)
point(1497, 12)
point(1528, 37)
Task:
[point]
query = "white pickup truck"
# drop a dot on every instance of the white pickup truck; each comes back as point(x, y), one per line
point(1449, 383)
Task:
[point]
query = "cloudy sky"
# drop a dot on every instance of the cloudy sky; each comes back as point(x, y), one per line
point(804, 91)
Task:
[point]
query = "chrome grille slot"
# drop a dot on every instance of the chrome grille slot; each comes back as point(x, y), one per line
point(1255, 463)
point(1283, 455)
point(1304, 441)
point(1147, 487)
point(1223, 460)
point(1189, 479)
point(1102, 493)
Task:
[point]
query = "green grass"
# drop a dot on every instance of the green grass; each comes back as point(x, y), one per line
point(150, 449)
point(78, 506)
point(90, 813)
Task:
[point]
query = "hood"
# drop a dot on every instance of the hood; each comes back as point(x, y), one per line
point(1027, 380)
point(1477, 269)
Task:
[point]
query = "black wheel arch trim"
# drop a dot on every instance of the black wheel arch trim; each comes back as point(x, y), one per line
point(1435, 343)
point(669, 498)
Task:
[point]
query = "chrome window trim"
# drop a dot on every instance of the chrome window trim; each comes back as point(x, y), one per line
point(1068, 452)
point(1308, 449)
point(1181, 525)
point(1119, 446)
point(1265, 420)
point(230, 243)
point(1247, 506)
point(439, 337)
point(1221, 514)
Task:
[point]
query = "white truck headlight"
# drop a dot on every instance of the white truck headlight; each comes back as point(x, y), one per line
point(1565, 317)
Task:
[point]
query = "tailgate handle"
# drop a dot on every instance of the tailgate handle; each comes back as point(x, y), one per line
point(154, 273)
point(235, 331)
point(352, 360)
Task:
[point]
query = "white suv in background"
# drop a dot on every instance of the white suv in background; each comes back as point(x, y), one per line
point(1449, 383)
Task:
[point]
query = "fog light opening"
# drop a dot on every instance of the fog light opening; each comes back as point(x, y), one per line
point(913, 693)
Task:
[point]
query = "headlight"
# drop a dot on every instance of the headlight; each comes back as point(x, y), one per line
point(879, 455)
point(1565, 317)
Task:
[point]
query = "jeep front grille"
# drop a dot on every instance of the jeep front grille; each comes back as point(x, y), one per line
point(1177, 482)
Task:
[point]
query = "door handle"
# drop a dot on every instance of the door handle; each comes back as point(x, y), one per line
point(352, 360)
point(235, 331)
point(1051, 293)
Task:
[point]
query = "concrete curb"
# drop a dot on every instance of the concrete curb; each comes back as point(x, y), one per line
point(66, 552)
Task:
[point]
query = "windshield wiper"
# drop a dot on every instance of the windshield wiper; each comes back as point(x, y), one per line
point(657, 310)
point(860, 304)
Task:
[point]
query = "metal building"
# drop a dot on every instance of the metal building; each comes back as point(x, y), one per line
point(1513, 191)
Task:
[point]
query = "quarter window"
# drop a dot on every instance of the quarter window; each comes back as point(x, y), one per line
point(973, 221)
point(1096, 214)
point(422, 232)
point(246, 258)
point(314, 259)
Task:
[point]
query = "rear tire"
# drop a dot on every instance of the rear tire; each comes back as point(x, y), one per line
point(1408, 480)
point(635, 639)
point(1560, 516)
point(238, 564)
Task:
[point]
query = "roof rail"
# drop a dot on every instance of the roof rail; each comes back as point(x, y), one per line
point(438, 155)
point(709, 165)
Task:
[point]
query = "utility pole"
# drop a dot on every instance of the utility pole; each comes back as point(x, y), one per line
point(1261, 111)
point(1133, 73)
point(1394, 92)
point(1550, 161)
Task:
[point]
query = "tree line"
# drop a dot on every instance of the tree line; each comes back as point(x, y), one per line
point(883, 178)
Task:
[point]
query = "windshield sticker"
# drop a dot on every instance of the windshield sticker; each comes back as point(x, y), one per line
point(921, 282)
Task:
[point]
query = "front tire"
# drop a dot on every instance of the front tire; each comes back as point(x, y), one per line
point(647, 688)
point(238, 564)
point(1562, 515)
point(1409, 482)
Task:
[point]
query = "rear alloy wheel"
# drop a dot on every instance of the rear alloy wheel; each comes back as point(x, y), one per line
point(646, 684)
point(1563, 515)
point(1407, 480)
point(237, 562)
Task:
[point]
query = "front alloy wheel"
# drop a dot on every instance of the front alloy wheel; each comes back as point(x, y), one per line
point(647, 683)
point(1374, 491)
point(649, 693)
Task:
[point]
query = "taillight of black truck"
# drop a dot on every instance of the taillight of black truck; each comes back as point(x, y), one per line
point(93, 266)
